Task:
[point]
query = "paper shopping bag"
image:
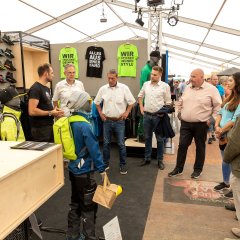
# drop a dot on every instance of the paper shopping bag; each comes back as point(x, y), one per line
point(105, 194)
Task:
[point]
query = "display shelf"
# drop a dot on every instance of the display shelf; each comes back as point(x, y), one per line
point(30, 52)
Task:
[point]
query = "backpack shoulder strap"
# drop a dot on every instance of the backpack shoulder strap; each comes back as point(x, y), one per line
point(77, 118)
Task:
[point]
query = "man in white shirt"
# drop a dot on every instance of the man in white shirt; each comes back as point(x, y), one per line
point(65, 88)
point(117, 101)
point(156, 94)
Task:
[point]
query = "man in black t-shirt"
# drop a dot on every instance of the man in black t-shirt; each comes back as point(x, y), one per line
point(40, 107)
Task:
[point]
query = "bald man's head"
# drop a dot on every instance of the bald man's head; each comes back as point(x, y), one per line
point(197, 77)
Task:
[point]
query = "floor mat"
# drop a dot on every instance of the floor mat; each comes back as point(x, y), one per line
point(193, 192)
point(131, 206)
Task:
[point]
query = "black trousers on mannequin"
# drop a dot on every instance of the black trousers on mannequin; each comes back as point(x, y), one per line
point(188, 132)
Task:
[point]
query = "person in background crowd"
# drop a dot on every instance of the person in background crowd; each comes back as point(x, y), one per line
point(225, 85)
point(40, 106)
point(176, 90)
point(81, 172)
point(232, 157)
point(224, 122)
point(156, 94)
point(198, 103)
point(182, 87)
point(211, 130)
point(117, 101)
point(64, 88)
point(215, 82)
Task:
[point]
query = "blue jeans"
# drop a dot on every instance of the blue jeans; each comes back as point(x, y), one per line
point(150, 123)
point(118, 128)
point(226, 169)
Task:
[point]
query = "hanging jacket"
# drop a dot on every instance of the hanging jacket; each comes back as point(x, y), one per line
point(164, 127)
point(10, 125)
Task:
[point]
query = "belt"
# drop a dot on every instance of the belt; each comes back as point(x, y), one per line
point(114, 119)
point(151, 114)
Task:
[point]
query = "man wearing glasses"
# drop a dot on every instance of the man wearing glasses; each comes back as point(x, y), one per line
point(65, 88)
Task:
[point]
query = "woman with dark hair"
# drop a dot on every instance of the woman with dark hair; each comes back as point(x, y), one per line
point(230, 110)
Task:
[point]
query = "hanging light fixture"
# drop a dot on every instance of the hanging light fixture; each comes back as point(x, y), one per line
point(139, 18)
point(178, 3)
point(154, 3)
point(103, 18)
point(173, 18)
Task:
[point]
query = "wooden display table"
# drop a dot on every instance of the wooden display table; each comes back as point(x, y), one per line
point(27, 179)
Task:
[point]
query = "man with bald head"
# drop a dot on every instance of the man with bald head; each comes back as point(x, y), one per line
point(198, 103)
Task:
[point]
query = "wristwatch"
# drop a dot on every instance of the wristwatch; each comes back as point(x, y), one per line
point(49, 113)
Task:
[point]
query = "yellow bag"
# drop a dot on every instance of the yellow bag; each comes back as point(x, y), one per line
point(106, 195)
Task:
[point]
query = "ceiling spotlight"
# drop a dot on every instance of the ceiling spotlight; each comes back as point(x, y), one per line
point(178, 2)
point(103, 18)
point(172, 18)
point(154, 3)
point(139, 18)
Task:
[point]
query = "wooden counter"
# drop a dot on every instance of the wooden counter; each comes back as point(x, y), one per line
point(27, 179)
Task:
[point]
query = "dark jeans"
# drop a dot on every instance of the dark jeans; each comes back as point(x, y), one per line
point(118, 128)
point(43, 134)
point(150, 123)
point(188, 131)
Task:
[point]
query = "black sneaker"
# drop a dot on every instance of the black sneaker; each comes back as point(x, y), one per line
point(196, 174)
point(210, 141)
point(7, 40)
point(175, 172)
point(10, 78)
point(8, 64)
point(221, 186)
point(123, 170)
point(229, 194)
point(1, 53)
point(8, 53)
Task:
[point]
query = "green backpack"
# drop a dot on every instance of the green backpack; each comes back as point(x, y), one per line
point(63, 135)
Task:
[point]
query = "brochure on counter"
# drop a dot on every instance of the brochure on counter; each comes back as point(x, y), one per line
point(28, 145)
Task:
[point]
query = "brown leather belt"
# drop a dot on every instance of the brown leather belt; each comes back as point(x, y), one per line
point(114, 119)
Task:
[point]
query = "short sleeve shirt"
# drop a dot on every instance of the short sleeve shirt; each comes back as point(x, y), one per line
point(43, 94)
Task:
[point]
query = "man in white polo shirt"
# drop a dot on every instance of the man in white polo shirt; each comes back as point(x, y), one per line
point(117, 101)
point(64, 88)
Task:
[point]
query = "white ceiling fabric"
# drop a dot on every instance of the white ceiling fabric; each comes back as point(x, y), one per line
point(207, 34)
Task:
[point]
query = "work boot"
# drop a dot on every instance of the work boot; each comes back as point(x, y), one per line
point(88, 220)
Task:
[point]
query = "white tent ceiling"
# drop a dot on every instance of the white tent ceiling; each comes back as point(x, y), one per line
point(207, 34)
